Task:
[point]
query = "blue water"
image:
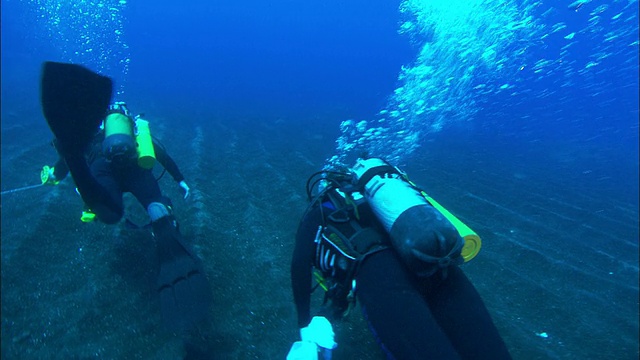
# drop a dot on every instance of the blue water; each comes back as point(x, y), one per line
point(521, 117)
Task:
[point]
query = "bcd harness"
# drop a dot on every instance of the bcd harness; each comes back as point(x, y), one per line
point(343, 241)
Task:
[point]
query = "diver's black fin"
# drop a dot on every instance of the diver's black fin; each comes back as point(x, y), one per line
point(185, 294)
point(74, 101)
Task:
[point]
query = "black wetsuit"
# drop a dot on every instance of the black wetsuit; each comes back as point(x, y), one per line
point(118, 180)
point(410, 317)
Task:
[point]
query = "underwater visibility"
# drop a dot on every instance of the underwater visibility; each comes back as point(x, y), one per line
point(471, 172)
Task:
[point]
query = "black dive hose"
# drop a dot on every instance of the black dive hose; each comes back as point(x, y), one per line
point(335, 181)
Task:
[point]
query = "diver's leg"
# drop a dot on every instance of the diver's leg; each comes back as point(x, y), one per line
point(143, 185)
point(184, 290)
point(104, 197)
point(397, 314)
point(462, 315)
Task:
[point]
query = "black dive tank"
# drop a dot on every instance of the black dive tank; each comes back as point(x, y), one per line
point(424, 238)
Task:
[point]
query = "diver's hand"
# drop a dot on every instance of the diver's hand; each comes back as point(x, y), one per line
point(47, 176)
point(303, 350)
point(185, 187)
point(320, 332)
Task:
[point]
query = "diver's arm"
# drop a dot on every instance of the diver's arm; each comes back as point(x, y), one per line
point(301, 266)
point(165, 160)
point(316, 334)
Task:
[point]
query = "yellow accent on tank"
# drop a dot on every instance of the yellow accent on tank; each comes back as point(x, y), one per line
point(146, 152)
point(472, 242)
point(117, 123)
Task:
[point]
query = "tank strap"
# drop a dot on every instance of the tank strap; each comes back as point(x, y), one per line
point(369, 174)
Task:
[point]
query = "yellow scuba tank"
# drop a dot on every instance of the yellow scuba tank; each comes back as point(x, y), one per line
point(119, 144)
point(146, 152)
point(118, 123)
point(127, 139)
point(421, 232)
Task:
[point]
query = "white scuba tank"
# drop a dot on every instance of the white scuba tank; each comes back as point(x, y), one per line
point(423, 237)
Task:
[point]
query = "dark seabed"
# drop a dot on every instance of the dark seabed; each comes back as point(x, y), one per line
point(74, 290)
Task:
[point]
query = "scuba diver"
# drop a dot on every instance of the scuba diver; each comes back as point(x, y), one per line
point(116, 148)
point(105, 163)
point(371, 234)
